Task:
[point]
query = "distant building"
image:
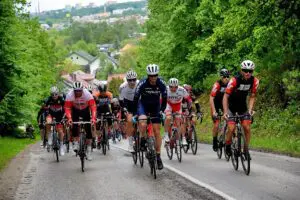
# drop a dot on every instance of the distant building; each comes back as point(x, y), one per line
point(105, 47)
point(45, 26)
point(84, 59)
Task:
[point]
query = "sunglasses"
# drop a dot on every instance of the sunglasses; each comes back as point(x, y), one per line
point(173, 87)
point(131, 80)
point(156, 75)
point(225, 76)
point(247, 71)
point(54, 94)
point(77, 90)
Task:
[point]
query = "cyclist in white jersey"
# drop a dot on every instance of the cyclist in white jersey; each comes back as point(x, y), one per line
point(127, 91)
point(176, 94)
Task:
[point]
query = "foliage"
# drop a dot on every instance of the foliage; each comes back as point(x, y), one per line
point(26, 64)
point(68, 67)
point(114, 85)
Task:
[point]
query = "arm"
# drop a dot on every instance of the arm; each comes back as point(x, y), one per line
point(212, 105)
point(253, 95)
point(225, 104)
point(93, 108)
point(164, 95)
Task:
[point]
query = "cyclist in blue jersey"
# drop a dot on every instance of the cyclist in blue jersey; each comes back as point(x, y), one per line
point(151, 99)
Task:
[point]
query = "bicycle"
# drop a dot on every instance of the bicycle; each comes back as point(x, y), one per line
point(238, 146)
point(103, 126)
point(82, 141)
point(55, 140)
point(221, 138)
point(116, 132)
point(67, 136)
point(136, 144)
point(191, 134)
point(175, 140)
point(150, 147)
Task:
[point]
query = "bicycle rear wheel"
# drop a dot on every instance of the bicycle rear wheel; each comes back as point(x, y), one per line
point(194, 141)
point(245, 156)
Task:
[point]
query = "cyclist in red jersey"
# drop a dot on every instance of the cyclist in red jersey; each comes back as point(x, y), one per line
point(215, 101)
point(235, 101)
point(80, 103)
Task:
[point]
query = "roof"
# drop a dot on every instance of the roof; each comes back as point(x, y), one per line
point(117, 76)
point(84, 55)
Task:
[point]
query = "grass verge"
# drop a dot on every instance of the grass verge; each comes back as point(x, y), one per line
point(10, 147)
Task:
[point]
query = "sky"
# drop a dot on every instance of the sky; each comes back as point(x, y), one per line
point(46, 5)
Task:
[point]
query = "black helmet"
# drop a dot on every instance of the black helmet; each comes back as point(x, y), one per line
point(224, 73)
point(102, 87)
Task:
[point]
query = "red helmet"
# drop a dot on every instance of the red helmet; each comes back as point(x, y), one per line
point(187, 87)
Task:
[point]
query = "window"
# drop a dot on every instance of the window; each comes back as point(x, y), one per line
point(77, 57)
point(71, 58)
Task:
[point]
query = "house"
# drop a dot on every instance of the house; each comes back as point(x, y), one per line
point(116, 76)
point(105, 47)
point(84, 59)
point(86, 79)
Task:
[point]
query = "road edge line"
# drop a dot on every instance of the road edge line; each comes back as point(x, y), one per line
point(192, 179)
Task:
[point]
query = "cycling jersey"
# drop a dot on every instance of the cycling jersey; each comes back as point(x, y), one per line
point(80, 107)
point(238, 88)
point(103, 101)
point(127, 97)
point(174, 99)
point(80, 103)
point(147, 98)
point(218, 92)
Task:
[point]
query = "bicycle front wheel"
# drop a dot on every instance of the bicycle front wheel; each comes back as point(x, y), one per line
point(194, 142)
point(245, 156)
point(220, 146)
point(135, 148)
point(234, 153)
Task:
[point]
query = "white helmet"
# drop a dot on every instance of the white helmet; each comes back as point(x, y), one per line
point(247, 64)
point(173, 82)
point(131, 75)
point(152, 69)
point(114, 100)
point(77, 85)
point(89, 88)
point(54, 90)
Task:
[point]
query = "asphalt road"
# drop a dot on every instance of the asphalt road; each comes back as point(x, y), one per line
point(113, 176)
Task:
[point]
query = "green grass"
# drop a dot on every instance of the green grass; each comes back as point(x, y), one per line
point(10, 147)
point(269, 132)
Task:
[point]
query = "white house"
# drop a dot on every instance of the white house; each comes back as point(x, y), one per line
point(89, 62)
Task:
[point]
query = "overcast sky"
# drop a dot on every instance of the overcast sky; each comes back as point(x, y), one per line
point(58, 4)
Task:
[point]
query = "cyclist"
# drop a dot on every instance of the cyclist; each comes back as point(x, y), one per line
point(215, 101)
point(190, 111)
point(80, 103)
point(103, 101)
point(55, 106)
point(41, 119)
point(235, 101)
point(116, 111)
point(127, 103)
point(148, 102)
point(176, 94)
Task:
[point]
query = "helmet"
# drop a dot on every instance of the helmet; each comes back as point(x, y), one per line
point(131, 75)
point(54, 90)
point(152, 69)
point(224, 73)
point(89, 88)
point(77, 85)
point(102, 87)
point(247, 64)
point(187, 87)
point(173, 82)
point(114, 100)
